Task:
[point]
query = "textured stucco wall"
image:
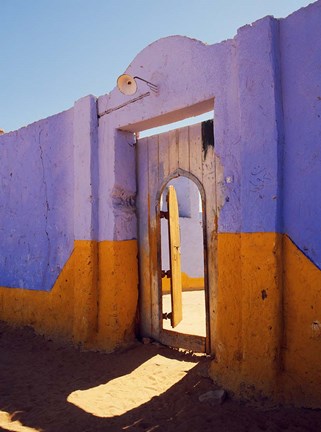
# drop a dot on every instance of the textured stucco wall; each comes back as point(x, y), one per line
point(250, 157)
point(55, 275)
point(300, 41)
point(267, 307)
point(36, 207)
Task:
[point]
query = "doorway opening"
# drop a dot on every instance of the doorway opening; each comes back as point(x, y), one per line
point(183, 286)
point(185, 152)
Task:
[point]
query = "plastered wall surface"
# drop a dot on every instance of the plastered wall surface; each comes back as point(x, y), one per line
point(75, 270)
point(50, 277)
point(36, 205)
point(271, 298)
point(301, 82)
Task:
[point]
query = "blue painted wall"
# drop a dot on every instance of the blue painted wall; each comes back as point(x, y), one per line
point(272, 156)
point(36, 207)
point(300, 37)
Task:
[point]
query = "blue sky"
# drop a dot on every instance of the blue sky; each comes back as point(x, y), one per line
point(53, 52)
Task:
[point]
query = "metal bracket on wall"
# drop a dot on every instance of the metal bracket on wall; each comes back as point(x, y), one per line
point(110, 110)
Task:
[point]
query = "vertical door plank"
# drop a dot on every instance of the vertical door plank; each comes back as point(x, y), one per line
point(163, 146)
point(143, 236)
point(153, 186)
point(183, 149)
point(209, 184)
point(173, 150)
point(195, 153)
point(175, 257)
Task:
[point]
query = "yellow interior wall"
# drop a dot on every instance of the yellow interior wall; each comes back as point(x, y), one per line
point(188, 283)
point(93, 301)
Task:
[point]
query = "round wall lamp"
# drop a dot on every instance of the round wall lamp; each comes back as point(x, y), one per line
point(127, 84)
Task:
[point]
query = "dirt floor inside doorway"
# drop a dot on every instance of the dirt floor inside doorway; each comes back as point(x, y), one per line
point(194, 316)
point(50, 387)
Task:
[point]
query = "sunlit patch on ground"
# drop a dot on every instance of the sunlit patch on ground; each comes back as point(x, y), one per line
point(130, 391)
point(8, 422)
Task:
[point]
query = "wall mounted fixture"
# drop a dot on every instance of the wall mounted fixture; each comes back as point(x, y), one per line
point(127, 84)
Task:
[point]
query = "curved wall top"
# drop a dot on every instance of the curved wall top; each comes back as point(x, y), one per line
point(187, 72)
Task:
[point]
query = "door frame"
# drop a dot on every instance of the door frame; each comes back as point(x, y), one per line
point(189, 151)
point(172, 337)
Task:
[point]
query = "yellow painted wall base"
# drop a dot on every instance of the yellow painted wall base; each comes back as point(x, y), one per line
point(247, 327)
point(268, 322)
point(118, 293)
point(93, 301)
point(302, 320)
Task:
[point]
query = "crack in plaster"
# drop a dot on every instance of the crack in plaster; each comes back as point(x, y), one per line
point(47, 207)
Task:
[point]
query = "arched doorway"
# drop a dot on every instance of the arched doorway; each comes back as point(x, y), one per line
point(182, 249)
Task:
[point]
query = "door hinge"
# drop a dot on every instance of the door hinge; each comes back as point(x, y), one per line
point(166, 273)
point(164, 214)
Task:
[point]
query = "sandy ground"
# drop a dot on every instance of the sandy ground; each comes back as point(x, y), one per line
point(47, 386)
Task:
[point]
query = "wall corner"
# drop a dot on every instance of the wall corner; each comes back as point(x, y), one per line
point(85, 139)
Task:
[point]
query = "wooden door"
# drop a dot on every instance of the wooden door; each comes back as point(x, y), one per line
point(181, 152)
point(174, 257)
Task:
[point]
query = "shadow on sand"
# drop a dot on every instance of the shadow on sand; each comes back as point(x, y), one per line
point(38, 375)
